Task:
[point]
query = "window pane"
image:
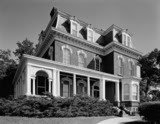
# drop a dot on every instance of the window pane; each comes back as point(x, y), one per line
point(97, 64)
point(66, 56)
point(126, 92)
point(90, 35)
point(121, 66)
point(74, 29)
point(66, 89)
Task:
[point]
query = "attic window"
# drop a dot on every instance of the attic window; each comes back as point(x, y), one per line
point(90, 35)
point(126, 40)
point(74, 28)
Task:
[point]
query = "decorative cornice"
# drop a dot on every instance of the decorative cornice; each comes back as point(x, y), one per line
point(120, 48)
point(75, 41)
point(67, 38)
point(35, 60)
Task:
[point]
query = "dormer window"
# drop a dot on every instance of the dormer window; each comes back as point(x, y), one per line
point(126, 40)
point(74, 28)
point(90, 36)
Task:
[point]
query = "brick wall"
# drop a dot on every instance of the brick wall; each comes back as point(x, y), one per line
point(74, 56)
point(126, 65)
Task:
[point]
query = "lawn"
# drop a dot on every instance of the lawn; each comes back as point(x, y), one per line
point(75, 120)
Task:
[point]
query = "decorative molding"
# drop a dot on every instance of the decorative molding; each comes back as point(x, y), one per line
point(81, 52)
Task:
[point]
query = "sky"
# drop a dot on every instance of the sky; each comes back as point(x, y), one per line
point(21, 19)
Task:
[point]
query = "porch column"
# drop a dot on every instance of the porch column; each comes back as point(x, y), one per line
point(50, 81)
point(74, 84)
point(58, 82)
point(28, 82)
point(117, 93)
point(34, 88)
point(88, 86)
point(54, 83)
point(102, 89)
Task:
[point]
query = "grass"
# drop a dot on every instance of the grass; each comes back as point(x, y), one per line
point(76, 120)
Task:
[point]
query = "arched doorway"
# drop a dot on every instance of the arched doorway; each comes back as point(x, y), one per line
point(42, 83)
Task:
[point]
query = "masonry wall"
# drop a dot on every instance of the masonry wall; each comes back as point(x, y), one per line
point(126, 65)
point(74, 57)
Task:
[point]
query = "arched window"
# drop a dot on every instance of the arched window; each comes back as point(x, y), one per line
point(42, 83)
point(81, 60)
point(67, 51)
point(121, 66)
point(126, 91)
point(131, 68)
point(97, 63)
point(95, 90)
point(81, 87)
point(135, 92)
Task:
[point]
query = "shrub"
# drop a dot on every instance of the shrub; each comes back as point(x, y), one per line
point(150, 111)
point(55, 107)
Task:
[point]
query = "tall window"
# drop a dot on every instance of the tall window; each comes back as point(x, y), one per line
point(90, 35)
point(66, 56)
point(121, 66)
point(66, 89)
point(131, 68)
point(95, 90)
point(126, 91)
point(135, 92)
point(81, 87)
point(124, 39)
point(81, 60)
point(74, 28)
point(42, 83)
point(97, 63)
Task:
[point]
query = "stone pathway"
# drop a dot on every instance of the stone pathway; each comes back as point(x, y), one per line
point(119, 120)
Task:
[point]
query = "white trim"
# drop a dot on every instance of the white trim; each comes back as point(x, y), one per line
point(82, 52)
point(90, 29)
point(71, 27)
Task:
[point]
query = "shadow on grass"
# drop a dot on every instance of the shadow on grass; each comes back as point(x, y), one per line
point(136, 122)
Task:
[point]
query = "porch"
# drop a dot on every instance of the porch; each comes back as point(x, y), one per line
point(38, 75)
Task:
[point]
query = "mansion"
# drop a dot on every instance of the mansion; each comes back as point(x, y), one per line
point(74, 57)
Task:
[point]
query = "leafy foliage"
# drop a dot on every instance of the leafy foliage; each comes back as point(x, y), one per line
point(55, 107)
point(24, 47)
point(150, 111)
point(150, 71)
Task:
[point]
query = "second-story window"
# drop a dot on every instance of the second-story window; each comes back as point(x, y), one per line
point(121, 66)
point(97, 63)
point(67, 51)
point(81, 60)
point(131, 68)
point(74, 29)
point(90, 35)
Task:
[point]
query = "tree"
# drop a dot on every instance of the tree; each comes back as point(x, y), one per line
point(5, 62)
point(7, 70)
point(150, 70)
point(24, 47)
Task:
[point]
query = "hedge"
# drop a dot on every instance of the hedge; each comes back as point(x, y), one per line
point(150, 111)
point(55, 107)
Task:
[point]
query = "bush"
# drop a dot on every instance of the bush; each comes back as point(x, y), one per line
point(150, 111)
point(55, 107)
